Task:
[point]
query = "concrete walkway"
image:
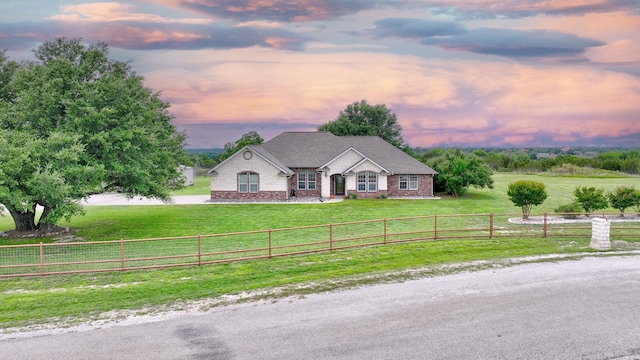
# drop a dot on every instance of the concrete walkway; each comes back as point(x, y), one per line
point(108, 199)
point(113, 199)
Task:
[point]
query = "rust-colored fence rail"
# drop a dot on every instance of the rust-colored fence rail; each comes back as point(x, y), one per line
point(121, 255)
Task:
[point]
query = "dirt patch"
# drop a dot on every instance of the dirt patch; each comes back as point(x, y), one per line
point(58, 234)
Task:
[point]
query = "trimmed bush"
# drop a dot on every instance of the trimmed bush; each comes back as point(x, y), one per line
point(570, 210)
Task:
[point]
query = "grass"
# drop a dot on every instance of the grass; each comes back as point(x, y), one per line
point(201, 186)
point(36, 300)
point(69, 298)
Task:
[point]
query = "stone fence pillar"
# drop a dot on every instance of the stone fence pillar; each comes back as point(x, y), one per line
point(600, 230)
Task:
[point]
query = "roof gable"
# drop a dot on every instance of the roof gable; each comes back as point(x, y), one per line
point(259, 151)
point(365, 161)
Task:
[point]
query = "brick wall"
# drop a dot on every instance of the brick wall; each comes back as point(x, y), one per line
point(425, 187)
point(293, 184)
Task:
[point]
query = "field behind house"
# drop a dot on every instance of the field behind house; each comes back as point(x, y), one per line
point(70, 298)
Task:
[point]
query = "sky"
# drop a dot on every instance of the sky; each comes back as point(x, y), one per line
point(457, 73)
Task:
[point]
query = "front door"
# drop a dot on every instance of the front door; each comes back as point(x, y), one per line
point(338, 184)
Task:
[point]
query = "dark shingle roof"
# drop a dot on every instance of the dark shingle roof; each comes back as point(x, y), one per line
point(387, 155)
point(305, 149)
point(314, 149)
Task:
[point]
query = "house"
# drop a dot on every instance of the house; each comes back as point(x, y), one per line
point(320, 165)
point(187, 174)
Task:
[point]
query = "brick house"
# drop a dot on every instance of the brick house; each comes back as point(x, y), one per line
point(321, 165)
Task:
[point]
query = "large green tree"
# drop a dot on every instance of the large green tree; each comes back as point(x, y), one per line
point(458, 171)
point(80, 122)
point(362, 119)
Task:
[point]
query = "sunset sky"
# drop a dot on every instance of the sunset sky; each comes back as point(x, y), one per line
point(472, 73)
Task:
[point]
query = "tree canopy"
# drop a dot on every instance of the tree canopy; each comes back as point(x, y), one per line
point(526, 194)
point(458, 171)
point(362, 119)
point(624, 197)
point(74, 122)
point(591, 198)
point(230, 148)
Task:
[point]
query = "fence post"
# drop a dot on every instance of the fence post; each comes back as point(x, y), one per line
point(41, 259)
point(121, 254)
point(385, 231)
point(544, 227)
point(270, 245)
point(435, 226)
point(330, 237)
point(199, 250)
point(490, 225)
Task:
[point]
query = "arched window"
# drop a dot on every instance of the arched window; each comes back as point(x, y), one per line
point(248, 182)
point(367, 181)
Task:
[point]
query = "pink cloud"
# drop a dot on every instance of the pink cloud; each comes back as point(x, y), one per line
point(115, 12)
point(437, 101)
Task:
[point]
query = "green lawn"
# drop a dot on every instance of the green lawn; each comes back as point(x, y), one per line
point(133, 222)
point(201, 186)
point(73, 297)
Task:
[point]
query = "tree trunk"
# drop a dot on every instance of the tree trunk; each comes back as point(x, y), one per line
point(44, 226)
point(25, 221)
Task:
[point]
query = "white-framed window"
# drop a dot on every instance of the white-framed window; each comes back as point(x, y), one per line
point(408, 182)
point(306, 180)
point(248, 182)
point(367, 181)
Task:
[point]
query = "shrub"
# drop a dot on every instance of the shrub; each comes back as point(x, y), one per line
point(352, 196)
point(569, 211)
point(382, 196)
point(526, 194)
point(590, 198)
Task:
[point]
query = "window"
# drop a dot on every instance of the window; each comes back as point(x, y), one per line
point(248, 182)
point(408, 182)
point(306, 180)
point(367, 181)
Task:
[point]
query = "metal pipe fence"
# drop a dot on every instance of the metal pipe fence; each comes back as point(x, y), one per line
point(122, 255)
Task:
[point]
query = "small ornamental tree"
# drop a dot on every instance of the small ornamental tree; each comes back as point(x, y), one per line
point(623, 197)
point(591, 198)
point(526, 194)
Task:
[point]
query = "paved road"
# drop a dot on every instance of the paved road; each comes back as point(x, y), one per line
point(585, 309)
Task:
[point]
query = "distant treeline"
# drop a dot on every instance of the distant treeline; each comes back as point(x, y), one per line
point(623, 160)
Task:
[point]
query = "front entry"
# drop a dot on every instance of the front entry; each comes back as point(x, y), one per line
point(338, 185)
